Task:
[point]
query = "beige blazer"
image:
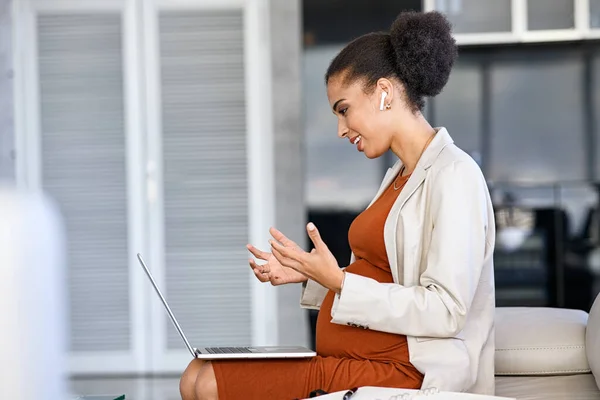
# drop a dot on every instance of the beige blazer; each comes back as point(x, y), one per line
point(439, 237)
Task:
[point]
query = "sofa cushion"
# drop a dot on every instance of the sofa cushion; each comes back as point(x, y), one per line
point(540, 341)
point(547, 387)
point(592, 340)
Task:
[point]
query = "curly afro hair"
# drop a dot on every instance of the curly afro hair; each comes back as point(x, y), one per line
point(419, 50)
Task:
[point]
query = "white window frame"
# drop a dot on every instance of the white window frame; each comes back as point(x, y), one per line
point(144, 161)
point(519, 32)
point(28, 165)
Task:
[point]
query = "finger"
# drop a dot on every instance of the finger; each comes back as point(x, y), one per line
point(258, 253)
point(261, 268)
point(286, 261)
point(314, 235)
point(280, 258)
point(259, 271)
point(261, 277)
point(285, 251)
point(281, 238)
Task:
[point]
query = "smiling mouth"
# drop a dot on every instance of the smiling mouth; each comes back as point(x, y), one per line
point(355, 139)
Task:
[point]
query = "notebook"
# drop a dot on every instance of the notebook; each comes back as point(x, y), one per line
point(381, 393)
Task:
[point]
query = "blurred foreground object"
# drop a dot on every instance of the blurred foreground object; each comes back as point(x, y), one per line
point(33, 298)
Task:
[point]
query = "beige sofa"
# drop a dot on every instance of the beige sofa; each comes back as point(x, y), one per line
point(546, 353)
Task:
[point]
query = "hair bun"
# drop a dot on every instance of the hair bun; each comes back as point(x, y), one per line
point(425, 51)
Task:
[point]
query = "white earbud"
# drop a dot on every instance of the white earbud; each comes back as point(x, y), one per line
point(382, 100)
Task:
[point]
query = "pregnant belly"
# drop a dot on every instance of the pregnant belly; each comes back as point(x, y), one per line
point(335, 340)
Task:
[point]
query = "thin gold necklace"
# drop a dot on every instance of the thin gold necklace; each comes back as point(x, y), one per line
point(404, 167)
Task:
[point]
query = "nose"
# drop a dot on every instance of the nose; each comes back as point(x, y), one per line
point(342, 128)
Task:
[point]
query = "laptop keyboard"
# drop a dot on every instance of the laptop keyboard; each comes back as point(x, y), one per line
point(228, 350)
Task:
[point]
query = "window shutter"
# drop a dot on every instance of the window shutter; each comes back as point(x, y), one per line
point(84, 168)
point(205, 175)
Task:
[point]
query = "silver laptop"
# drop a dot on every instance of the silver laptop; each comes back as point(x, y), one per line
point(215, 353)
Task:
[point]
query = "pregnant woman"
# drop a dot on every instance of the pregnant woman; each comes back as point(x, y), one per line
point(415, 306)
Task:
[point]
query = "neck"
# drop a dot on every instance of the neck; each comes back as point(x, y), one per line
point(410, 142)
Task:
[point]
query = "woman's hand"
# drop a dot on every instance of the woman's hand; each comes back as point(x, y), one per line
point(273, 271)
point(319, 265)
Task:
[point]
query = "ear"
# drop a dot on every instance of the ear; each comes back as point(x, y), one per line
point(384, 85)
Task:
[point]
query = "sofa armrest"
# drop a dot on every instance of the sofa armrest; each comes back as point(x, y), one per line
point(592, 340)
point(540, 341)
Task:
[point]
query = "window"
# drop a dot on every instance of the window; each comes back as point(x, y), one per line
point(595, 14)
point(459, 106)
point(338, 176)
point(536, 118)
point(474, 16)
point(550, 14)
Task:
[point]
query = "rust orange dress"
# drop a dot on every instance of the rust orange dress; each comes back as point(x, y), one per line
point(347, 356)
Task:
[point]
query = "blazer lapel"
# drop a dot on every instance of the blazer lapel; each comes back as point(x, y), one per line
point(441, 139)
point(390, 229)
point(415, 180)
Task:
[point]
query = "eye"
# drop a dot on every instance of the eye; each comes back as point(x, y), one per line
point(343, 111)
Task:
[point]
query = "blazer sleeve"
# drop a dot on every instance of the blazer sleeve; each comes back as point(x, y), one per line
point(439, 305)
point(312, 295)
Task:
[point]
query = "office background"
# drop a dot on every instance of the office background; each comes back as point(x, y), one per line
point(183, 129)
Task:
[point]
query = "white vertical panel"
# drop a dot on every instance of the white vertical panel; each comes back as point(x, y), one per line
point(135, 112)
point(519, 17)
point(583, 17)
point(261, 160)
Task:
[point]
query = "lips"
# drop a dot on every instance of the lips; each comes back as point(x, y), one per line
point(355, 139)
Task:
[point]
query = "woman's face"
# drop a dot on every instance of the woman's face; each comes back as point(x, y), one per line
point(359, 118)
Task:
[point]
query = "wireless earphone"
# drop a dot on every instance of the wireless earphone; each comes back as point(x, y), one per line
point(382, 100)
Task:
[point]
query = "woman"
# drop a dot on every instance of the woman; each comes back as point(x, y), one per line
point(415, 307)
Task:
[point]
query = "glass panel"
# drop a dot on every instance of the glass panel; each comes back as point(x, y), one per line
point(459, 109)
point(537, 128)
point(595, 14)
point(550, 14)
point(477, 16)
point(338, 176)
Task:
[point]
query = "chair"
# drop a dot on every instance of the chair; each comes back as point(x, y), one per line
point(548, 353)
